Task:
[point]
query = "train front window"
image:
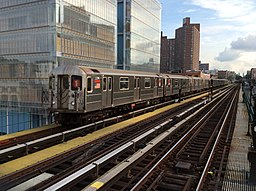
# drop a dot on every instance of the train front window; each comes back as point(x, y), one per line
point(65, 82)
point(52, 83)
point(76, 83)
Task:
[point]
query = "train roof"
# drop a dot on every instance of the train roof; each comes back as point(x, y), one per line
point(67, 69)
point(82, 70)
point(111, 72)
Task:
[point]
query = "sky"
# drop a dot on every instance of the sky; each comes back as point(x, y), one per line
point(227, 34)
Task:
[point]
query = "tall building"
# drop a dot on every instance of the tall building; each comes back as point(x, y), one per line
point(167, 54)
point(35, 37)
point(138, 41)
point(187, 46)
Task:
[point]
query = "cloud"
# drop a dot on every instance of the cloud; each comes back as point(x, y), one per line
point(229, 9)
point(217, 29)
point(228, 55)
point(190, 11)
point(247, 44)
point(239, 46)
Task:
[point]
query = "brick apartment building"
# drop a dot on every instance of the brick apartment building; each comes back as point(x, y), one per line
point(187, 47)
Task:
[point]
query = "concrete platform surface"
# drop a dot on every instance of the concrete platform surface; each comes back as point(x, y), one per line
point(238, 169)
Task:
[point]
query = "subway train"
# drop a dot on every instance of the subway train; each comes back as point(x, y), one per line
point(79, 94)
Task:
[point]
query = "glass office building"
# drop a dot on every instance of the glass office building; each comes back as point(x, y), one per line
point(37, 36)
point(138, 41)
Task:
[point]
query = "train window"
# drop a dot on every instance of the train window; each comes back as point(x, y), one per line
point(109, 83)
point(76, 83)
point(156, 82)
point(65, 82)
point(97, 82)
point(169, 82)
point(147, 83)
point(104, 85)
point(160, 84)
point(138, 83)
point(183, 83)
point(176, 83)
point(135, 83)
point(124, 83)
point(52, 83)
point(89, 84)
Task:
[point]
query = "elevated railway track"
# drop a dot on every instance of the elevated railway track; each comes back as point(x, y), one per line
point(96, 156)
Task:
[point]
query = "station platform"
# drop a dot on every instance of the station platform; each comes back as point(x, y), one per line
point(238, 167)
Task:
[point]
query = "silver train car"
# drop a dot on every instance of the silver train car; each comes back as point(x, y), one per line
point(79, 92)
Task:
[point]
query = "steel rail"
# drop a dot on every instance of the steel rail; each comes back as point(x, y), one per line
point(28, 172)
point(24, 148)
point(60, 137)
point(150, 146)
point(96, 164)
point(144, 178)
point(21, 145)
point(203, 175)
point(45, 167)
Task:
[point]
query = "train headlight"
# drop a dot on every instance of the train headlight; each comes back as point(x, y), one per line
point(53, 102)
point(72, 103)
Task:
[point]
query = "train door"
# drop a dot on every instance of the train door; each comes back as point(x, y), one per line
point(107, 91)
point(63, 92)
point(110, 91)
point(175, 86)
point(156, 87)
point(169, 84)
point(137, 88)
point(164, 87)
point(160, 87)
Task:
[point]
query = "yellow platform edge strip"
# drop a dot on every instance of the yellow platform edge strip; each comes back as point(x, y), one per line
point(97, 185)
point(28, 131)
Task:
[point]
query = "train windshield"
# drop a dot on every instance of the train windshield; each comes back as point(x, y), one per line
point(76, 83)
point(52, 82)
